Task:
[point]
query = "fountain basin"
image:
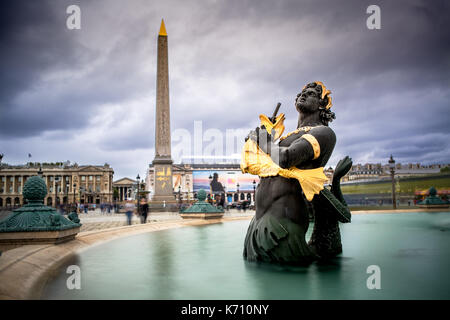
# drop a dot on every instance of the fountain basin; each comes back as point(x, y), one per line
point(24, 270)
point(412, 251)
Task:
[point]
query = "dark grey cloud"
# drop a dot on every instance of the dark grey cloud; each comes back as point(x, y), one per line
point(229, 62)
point(56, 78)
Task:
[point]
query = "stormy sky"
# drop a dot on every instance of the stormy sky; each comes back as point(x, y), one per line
point(88, 95)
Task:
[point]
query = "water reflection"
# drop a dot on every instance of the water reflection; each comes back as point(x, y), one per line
point(160, 266)
point(296, 282)
point(55, 283)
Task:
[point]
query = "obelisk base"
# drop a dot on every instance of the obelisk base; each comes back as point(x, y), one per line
point(163, 198)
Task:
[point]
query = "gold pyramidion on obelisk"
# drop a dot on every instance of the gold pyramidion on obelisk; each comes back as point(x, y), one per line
point(163, 188)
point(162, 29)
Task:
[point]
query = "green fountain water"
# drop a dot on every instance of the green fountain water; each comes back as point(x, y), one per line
point(411, 249)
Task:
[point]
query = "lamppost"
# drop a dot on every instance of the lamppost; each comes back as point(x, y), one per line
point(254, 194)
point(138, 179)
point(179, 194)
point(74, 187)
point(210, 186)
point(82, 194)
point(392, 169)
point(40, 172)
point(188, 192)
point(56, 191)
point(225, 200)
point(239, 196)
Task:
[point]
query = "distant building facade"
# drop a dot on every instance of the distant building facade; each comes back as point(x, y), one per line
point(366, 171)
point(377, 171)
point(126, 188)
point(66, 183)
point(415, 169)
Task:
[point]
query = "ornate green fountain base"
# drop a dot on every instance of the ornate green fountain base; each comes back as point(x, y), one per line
point(202, 209)
point(433, 201)
point(36, 223)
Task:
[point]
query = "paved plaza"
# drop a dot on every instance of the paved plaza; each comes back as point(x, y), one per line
point(96, 220)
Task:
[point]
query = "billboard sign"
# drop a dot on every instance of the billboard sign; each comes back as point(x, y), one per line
point(223, 181)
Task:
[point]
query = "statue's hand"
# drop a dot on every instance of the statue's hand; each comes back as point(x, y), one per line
point(253, 135)
point(342, 168)
point(262, 138)
point(266, 141)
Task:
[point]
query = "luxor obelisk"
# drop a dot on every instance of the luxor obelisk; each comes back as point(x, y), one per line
point(163, 190)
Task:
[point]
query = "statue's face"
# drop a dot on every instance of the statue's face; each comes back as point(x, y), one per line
point(308, 101)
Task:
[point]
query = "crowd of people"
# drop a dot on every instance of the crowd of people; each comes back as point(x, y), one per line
point(104, 207)
point(109, 208)
point(131, 208)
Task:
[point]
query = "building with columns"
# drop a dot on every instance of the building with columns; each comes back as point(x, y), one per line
point(126, 189)
point(66, 183)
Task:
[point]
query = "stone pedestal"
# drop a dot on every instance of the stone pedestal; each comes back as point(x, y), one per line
point(201, 215)
point(163, 189)
point(11, 240)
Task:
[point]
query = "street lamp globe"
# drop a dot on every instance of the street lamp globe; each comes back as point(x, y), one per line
point(391, 163)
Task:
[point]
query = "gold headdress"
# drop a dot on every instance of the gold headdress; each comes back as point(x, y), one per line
point(325, 93)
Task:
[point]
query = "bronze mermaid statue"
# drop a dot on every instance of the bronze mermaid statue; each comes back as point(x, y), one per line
point(291, 187)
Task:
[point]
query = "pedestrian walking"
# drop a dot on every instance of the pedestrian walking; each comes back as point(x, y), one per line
point(144, 211)
point(129, 209)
